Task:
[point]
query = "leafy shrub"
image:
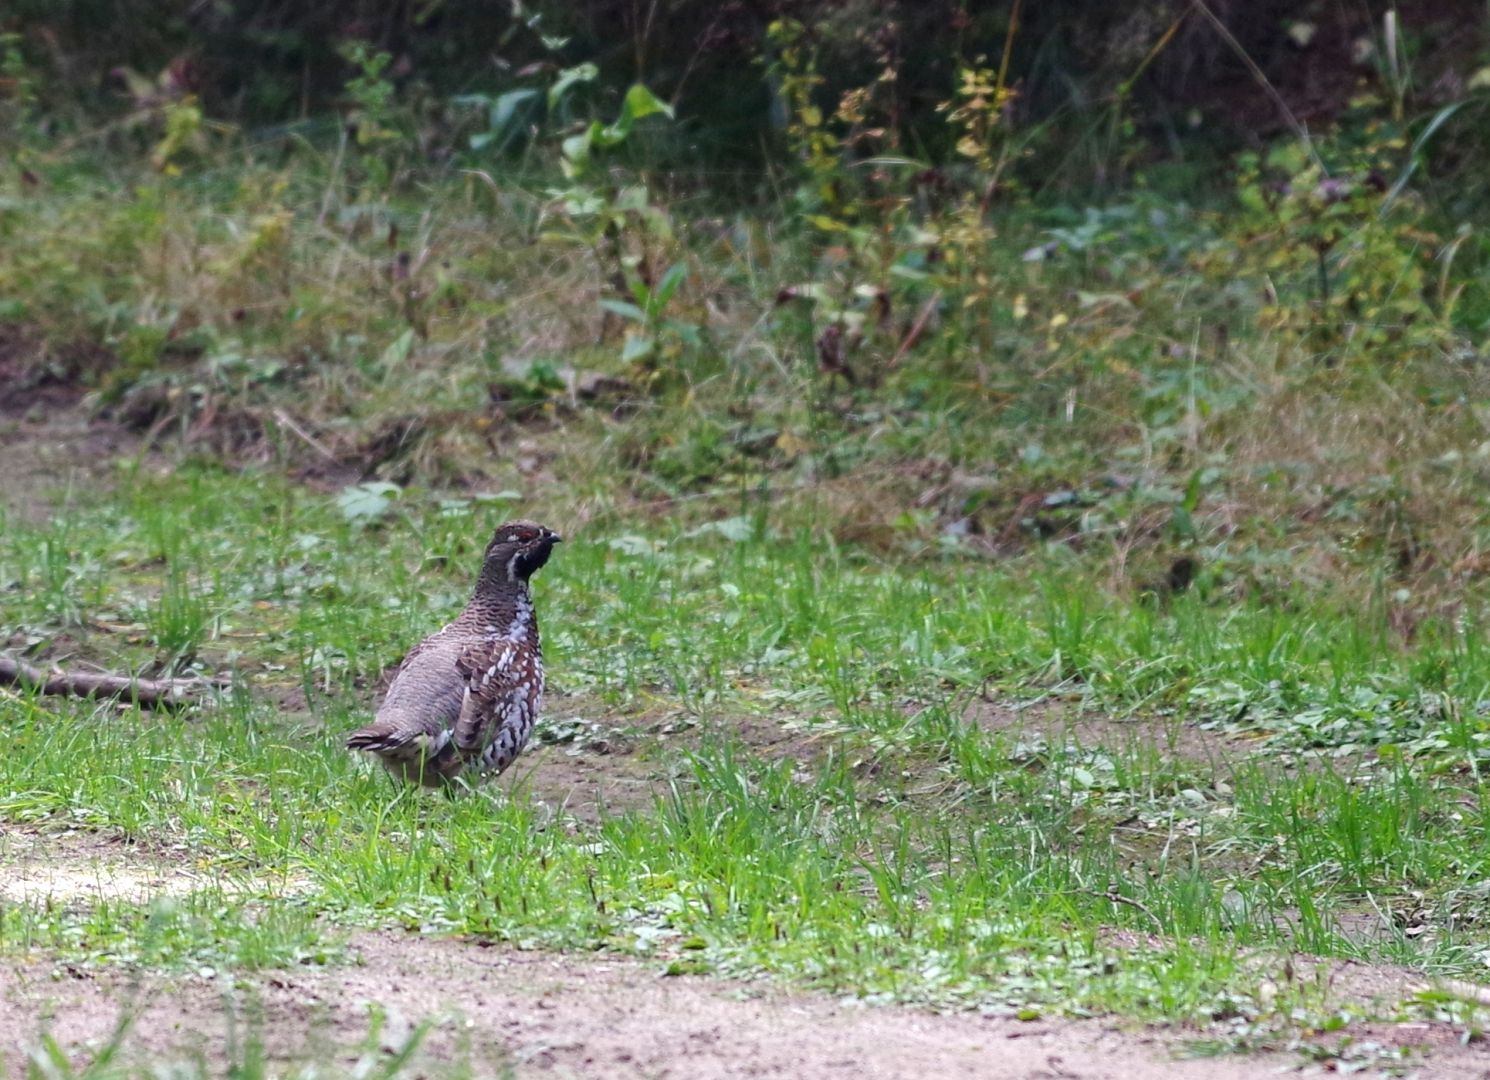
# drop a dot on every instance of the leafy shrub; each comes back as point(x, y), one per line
point(1343, 259)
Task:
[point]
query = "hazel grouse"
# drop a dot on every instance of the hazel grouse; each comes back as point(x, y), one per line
point(465, 699)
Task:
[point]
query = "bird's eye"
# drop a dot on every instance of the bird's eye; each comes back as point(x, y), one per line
point(511, 538)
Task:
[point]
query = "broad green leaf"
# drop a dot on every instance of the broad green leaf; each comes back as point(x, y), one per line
point(625, 310)
point(612, 135)
point(664, 290)
point(684, 331)
point(635, 545)
point(735, 529)
point(568, 78)
point(398, 352)
point(910, 273)
point(506, 116)
point(576, 150)
point(639, 102)
point(506, 107)
point(637, 347)
point(827, 224)
point(642, 102)
point(579, 201)
point(362, 504)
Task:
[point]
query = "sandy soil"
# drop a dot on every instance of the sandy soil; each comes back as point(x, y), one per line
point(543, 1015)
point(79, 867)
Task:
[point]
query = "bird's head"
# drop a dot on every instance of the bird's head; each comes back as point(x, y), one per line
point(518, 549)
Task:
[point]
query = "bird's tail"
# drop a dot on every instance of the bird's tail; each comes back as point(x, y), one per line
point(392, 741)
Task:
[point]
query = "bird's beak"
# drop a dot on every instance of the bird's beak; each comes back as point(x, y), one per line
point(555, 538)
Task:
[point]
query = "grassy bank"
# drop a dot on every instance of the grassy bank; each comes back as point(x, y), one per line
point(918, 840)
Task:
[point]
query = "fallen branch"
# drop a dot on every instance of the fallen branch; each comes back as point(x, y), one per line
point(147, 693)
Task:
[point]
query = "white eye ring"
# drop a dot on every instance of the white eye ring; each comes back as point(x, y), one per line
point(511, 538)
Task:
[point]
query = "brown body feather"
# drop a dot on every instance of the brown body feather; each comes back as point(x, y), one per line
point(465, 699)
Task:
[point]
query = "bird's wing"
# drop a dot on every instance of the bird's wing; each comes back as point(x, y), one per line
point(435, 643)
point(492, 672)
point(423, 701)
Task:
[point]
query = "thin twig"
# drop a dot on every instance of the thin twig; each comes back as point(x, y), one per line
point(332, 179)
point(913, 335)
point(288, 421)
point(1115, 897)
point(1262, 81)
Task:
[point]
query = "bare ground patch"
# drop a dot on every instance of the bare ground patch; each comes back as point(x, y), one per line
point(78, 867)
point(589, 760)
point(494, 1008)
point(37, 376)
point(1056, 720)
point(82, 867)
point(44, 456)
point(1178, 739)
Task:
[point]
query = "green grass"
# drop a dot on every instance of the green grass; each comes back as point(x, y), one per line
point(202, 932)
point(913, 856)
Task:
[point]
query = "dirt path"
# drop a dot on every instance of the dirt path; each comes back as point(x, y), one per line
point(543, 1015)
